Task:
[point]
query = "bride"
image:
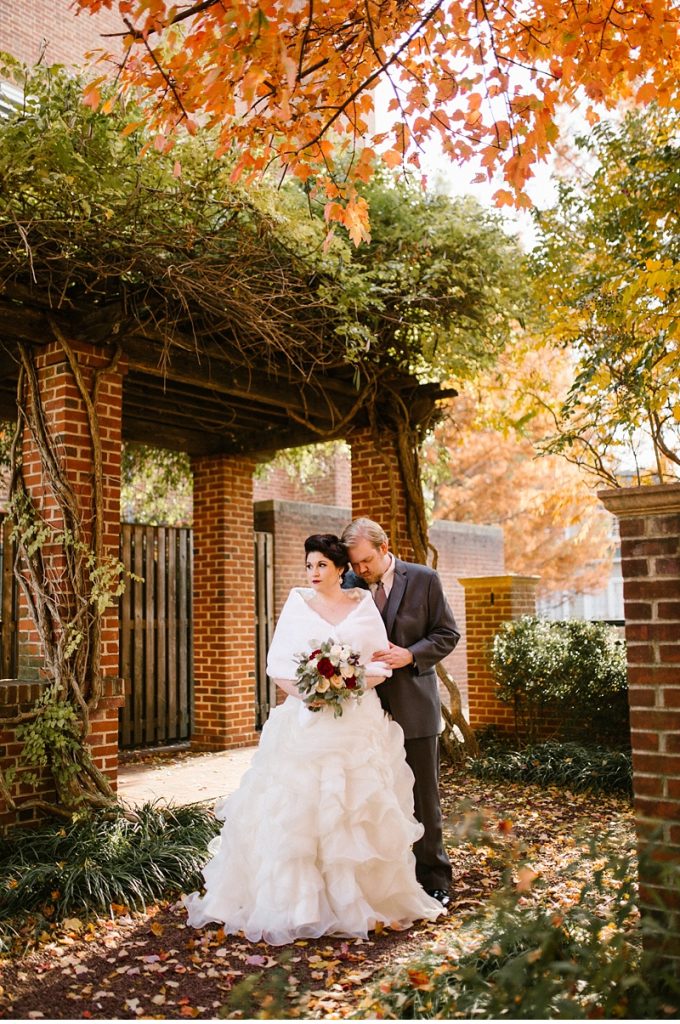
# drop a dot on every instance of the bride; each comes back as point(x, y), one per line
point(317, 839)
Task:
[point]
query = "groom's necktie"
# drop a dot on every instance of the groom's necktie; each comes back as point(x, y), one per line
point(380, 597)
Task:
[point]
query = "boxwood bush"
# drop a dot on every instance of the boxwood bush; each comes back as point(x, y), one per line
point(574, 669)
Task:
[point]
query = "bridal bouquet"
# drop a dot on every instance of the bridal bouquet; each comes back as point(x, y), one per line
point(330, 674)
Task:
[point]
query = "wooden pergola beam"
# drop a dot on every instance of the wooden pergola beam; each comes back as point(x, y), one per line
point(208, 371)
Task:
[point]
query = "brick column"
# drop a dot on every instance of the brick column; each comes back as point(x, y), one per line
point(17, 698)
point(224, 603)
point(649, 521)
point(67, 423)
point(489, 602)
point(377, 487)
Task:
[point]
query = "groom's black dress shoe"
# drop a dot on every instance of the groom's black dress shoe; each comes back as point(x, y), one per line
point(441, 895)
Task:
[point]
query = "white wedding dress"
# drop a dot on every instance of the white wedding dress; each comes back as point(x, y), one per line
point(317, 839)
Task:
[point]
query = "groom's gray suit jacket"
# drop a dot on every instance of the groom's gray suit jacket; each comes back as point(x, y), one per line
point(417, 615)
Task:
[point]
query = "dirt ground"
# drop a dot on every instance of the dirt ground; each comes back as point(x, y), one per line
point(153, 966)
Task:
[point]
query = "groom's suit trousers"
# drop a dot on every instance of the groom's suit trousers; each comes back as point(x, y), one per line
point(433, 868)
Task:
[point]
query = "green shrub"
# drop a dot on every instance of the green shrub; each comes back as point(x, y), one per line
point(561, 764)
point(265, 995)
point(61, 870)
point(575, 668)
point(518, 961)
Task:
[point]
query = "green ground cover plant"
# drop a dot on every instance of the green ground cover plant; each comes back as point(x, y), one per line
point(98, 862)
point(522, 958)
point(552, 763)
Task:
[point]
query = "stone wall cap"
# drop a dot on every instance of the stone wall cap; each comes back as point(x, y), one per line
point(471, 529)
point(652, 500)
point(309, 507)
point(507, 578)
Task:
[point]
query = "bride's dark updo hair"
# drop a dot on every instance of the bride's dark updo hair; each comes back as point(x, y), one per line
point(330, 546)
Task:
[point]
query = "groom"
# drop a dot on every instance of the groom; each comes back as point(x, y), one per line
point(421, 631)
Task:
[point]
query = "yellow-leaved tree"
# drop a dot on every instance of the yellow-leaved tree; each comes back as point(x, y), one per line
point(607, 266)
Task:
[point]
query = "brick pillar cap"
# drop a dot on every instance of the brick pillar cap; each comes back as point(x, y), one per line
point(508, 579)
point(654, 500)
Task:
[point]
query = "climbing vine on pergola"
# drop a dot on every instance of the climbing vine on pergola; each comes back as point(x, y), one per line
point(197, 281)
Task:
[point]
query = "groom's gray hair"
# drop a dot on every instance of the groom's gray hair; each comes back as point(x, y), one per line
point(365, 529)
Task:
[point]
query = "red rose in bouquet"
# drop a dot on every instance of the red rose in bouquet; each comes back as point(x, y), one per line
point(326, 667)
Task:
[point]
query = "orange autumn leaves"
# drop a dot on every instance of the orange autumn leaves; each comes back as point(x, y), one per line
point(553, 523)
point(292, 82)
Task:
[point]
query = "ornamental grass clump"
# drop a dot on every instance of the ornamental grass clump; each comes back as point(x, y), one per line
point(552, 763)
point(86, 866)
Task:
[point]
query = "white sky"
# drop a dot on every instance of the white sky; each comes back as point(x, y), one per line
point(456, 179)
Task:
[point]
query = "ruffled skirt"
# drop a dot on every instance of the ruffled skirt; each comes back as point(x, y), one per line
point(317, 839)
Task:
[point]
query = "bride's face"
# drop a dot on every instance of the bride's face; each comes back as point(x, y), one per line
point(322, 575)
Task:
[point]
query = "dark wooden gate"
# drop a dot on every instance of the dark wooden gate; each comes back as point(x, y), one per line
point(156, 630)
point(156, 635)
point(265, 695)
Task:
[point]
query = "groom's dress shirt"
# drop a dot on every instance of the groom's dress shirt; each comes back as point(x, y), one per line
point(387, 579)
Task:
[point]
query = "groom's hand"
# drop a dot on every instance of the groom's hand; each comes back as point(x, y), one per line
point(395, 657)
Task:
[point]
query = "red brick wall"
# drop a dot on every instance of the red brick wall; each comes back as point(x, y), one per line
point(27, 25)
point(649, 522)
point(18, 698)
point(332, 486)
point(376, 485)
point(291, 523)
point(489, 602)
point(67, 419)
point(464, 550)
point(224, 603)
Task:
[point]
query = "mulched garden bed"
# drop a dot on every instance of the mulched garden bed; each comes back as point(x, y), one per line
point(151, 965)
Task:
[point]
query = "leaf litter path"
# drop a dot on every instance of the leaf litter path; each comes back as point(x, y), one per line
point(151, 965)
